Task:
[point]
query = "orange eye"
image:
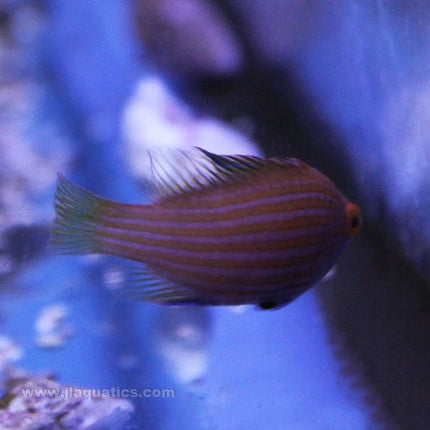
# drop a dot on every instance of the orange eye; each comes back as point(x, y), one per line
point(354, 219)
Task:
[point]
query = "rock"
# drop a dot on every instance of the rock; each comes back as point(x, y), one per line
point(405, 156)
point(189, 37)
point(32, 143)
point(279, 29)
point(9, 352)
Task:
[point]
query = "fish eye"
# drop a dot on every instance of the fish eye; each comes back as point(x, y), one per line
point(354, 219)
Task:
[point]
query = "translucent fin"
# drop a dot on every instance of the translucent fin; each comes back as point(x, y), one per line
point(76, 210)
point(176, 172)
point(133, 281)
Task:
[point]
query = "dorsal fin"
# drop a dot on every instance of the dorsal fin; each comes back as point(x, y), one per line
point(177, 172)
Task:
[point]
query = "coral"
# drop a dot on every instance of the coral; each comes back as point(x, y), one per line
point(36, 402)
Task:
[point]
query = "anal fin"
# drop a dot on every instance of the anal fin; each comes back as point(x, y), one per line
point(133, 281)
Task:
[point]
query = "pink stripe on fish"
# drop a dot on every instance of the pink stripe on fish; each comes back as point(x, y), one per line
point(181, 238)
point(250, 256)
point(215, 224)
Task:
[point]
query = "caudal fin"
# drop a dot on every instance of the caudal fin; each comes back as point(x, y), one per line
point(74, 228)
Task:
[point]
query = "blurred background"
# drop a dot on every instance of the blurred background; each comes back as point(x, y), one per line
point(88, 87)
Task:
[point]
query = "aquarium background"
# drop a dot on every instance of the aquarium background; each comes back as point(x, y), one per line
point(88, 87)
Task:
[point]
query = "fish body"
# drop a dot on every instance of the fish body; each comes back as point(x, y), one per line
point(232, 230)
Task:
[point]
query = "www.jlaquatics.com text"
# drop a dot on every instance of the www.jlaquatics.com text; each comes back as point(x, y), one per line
point(95, 393)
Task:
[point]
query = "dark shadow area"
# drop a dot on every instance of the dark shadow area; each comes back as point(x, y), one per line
point(385, 322)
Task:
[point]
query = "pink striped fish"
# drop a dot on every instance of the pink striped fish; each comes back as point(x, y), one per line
point(223, 230)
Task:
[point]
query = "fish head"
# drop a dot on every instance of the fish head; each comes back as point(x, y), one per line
point(346, 223)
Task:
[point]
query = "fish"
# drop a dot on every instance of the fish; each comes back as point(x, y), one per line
point(220, 229)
